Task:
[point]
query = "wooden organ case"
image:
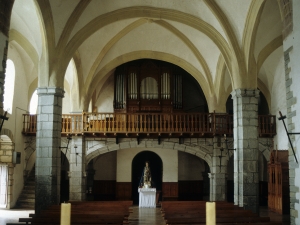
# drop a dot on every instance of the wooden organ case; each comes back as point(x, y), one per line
point(278, 185)
point(148, 86)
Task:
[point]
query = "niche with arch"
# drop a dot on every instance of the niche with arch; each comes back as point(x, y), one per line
point(138, 164)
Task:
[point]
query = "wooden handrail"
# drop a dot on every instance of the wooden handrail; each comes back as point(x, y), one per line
point(181, 123)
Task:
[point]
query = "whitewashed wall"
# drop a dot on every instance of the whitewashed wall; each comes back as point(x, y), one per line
point(105, 98)
point(15, 122)
point(169, 159)
point(278, 97)
point(66, 107)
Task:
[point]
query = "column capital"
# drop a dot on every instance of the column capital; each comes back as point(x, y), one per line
point(57, 91)
point(245, 93)
point(211, 175)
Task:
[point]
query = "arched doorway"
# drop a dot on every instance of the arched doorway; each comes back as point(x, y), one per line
point(138, 164)
point(263, 180)
point(64, 182)
point(6, 166)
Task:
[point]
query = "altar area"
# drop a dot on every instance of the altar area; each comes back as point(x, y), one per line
point(147, 197)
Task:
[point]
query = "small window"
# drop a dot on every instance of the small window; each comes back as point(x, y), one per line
point(9, 86)
point(33, 103)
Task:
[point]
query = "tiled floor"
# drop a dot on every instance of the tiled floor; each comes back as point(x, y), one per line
point(13, 215)
point(145, 216)
point(285, 219)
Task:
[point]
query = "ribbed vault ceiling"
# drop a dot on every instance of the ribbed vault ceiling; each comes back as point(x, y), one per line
point(223, 44)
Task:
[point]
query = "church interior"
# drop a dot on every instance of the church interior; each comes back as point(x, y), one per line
point(204, 90)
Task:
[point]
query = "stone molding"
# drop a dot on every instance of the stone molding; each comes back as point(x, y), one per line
point(291, 101)
point(196, 146)
point(56, 91)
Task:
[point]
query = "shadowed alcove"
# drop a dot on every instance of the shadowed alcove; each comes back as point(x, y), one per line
point(138, 164)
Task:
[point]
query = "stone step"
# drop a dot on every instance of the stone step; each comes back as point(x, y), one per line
point(26, 200)
point(29, 191)
point(26, 206)
point(27, 196)
point(30, 183)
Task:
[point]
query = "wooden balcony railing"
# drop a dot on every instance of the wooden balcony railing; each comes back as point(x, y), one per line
point(198, 124)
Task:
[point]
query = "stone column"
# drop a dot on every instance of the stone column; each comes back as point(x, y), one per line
point(77, 169)
point(211, 182)
point(219, 169)
point(246, 183)
point(206, 186)
point(48, 154)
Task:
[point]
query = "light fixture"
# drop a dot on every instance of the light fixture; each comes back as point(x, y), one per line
point(68, 138)
point(226, 143)
point(75, 147)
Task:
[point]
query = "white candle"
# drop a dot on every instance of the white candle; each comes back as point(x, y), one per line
point(210, 213)
point(65, 214)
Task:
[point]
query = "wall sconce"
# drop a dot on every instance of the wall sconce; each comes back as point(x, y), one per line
point(75, 147)
point(68, 138)
point(220, 157)
point(226, 143)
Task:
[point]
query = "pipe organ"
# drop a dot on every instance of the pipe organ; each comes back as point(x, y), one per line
point(148, 86)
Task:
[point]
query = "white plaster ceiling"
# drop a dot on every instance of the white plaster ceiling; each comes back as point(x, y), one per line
point(192, 7)
point(63, 10)
point(17, 52)
point(270, 26)
point(26, 21)
point(272, 66)
point(237, 20)
point(148, 36)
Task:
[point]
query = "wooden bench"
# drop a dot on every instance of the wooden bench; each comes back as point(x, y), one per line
point(194, 212)
point(112, 212)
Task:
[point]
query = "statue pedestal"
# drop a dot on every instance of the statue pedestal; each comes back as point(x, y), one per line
point(147, 197)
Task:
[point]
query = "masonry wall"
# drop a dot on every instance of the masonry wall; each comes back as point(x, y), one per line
point(291, 47)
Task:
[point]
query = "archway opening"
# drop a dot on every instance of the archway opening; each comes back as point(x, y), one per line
point(64, 183)
point(138, 164)
point(263, 107)
point(192, 177)
point(6, 167)
point(263, 180)
point(155, 86)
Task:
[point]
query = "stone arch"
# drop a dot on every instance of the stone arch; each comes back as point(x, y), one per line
point(7, 133)
point(264, 145)
point(7, 148)
point(199, 150)
point(151, 13)
point(102, 74)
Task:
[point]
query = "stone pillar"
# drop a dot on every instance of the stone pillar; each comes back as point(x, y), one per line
point(211, 177)
point(219, 169)
point(206, 186)
point(246, 182)
point(48, 154)
point(77, 169)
